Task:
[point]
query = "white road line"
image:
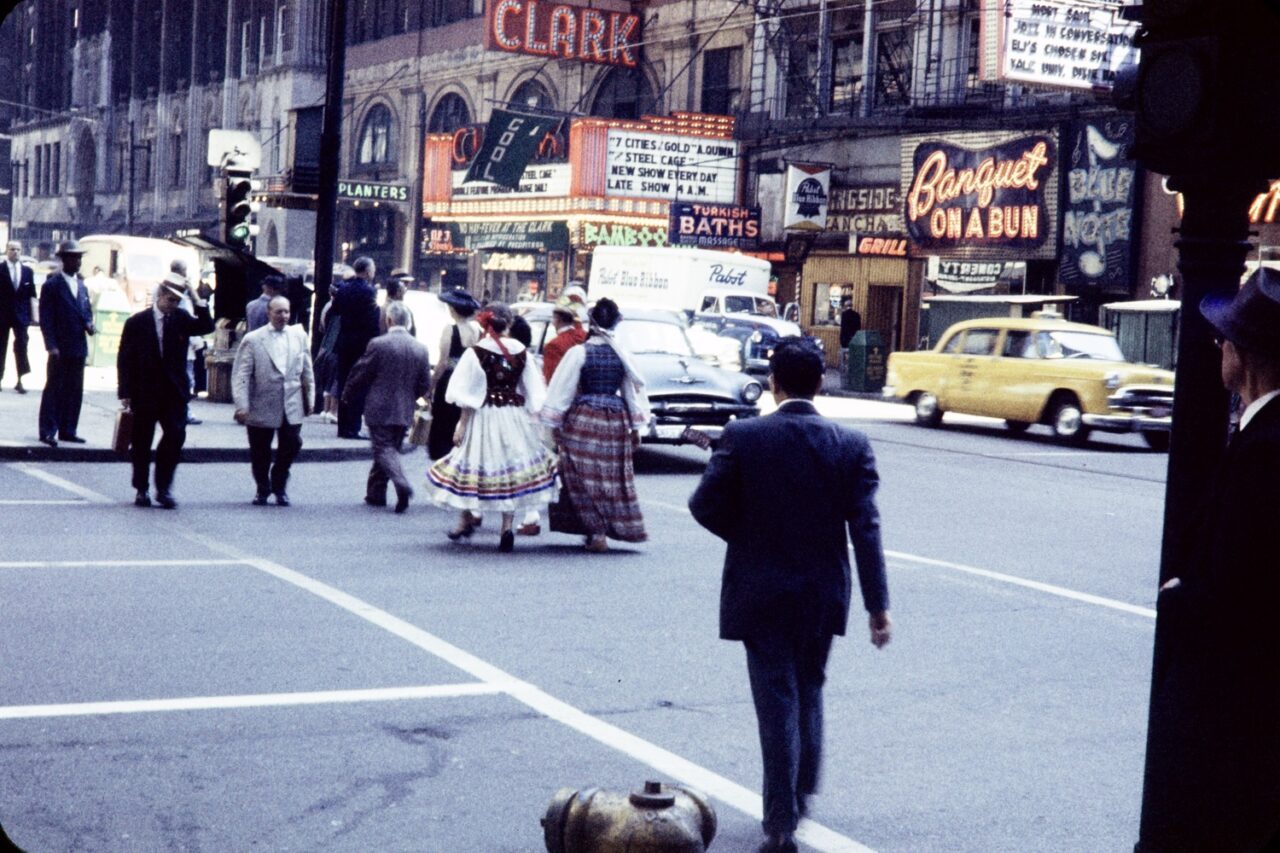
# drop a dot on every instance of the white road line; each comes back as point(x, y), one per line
point(1051, 589)
point(75, 488)
point(112, 564)
point(261, 700)
point(665, 762)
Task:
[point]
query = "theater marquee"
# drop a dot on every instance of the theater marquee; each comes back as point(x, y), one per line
point(562, 31)
point(981, 195)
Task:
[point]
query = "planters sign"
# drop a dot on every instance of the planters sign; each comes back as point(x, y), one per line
point(563, 31)
point(989, 199)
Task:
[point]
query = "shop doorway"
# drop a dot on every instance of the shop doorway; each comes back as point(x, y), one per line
point(884, 313)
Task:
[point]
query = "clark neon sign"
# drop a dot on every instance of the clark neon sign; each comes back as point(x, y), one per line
point(991, 196)
point(562, 31)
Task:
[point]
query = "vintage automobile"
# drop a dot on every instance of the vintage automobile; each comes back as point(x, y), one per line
point(1041, 369)
point(683, 390)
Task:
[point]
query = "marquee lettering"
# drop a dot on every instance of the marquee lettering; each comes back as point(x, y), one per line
point(937, 183)
point(563, 31)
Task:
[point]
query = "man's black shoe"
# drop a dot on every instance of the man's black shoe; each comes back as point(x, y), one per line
point(191, 420)
point(165, 499)
point(260, 499)
point(402, 500)
point(141, 499)
point(49, 440)
point(372, 501)
point(282, 499)
point(357, 436)
point(19, 388)
point(74, 439)
point(779, 844)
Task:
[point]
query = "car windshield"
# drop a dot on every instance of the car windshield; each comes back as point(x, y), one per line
point(1078, 345)
point(652, 336)
point(747, 304)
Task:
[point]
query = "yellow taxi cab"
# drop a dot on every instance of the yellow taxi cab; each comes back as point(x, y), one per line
point(1041, 369)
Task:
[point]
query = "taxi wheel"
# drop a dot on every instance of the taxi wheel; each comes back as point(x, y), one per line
point(1157, 440)
point(928, 412)
point(1017, 426)
point(1068, 422)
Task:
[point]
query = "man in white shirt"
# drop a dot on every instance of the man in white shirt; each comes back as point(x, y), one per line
point(17, 290)
point(273, 386)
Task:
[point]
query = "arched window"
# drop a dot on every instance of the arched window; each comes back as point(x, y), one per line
point(375, 137)
point(530, 95)
point(449, 115)
point(625, 94)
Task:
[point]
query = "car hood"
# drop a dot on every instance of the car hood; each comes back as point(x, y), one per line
point(784, 328)
point(666, 375)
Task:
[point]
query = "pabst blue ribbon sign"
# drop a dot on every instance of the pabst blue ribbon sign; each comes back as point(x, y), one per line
point(1000, 198)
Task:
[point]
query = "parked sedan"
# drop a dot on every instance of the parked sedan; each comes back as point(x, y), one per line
point(1070, 377)
point(684, 391)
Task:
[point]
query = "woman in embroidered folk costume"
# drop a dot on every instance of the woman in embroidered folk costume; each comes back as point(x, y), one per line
point(455, 340)
point(498, 462)
point(594, 404)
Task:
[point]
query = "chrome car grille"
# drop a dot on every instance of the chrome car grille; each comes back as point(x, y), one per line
point(1157, 402)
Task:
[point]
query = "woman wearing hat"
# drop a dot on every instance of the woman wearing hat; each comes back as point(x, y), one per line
point(499, 461)
point(457, 338)
point(595, 400)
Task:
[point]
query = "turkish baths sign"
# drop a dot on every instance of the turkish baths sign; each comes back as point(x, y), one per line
point(671, 168)
point(714, 226)
point(1097, 214)
point(981, 195)
point(1080, 44)
point(563, 31)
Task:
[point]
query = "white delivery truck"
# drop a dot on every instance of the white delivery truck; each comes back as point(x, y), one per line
point(136, 264)
point(724, 292)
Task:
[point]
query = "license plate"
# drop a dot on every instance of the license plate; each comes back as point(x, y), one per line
point(669, 430)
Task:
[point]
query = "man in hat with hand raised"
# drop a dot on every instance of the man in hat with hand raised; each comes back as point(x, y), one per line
point(151, 369)
point(66, 318)
point(1215, 721)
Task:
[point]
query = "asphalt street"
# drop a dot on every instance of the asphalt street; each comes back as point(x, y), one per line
point(335, 677)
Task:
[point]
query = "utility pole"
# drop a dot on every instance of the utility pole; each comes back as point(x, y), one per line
point(330, 160)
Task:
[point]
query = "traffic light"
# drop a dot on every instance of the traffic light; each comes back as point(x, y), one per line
point(238, 227)
point(1206, 88)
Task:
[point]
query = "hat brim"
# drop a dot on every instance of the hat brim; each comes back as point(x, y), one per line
point(171, 289)
point(77, 252)
point(1216, 309)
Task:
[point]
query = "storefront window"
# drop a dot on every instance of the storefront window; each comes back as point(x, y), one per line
point(826, 303)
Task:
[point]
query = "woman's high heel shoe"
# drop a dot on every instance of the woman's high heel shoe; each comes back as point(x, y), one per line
point(460, 533)
point(507, 543)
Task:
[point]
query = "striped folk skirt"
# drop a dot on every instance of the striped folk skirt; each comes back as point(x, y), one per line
point(597, 477)
point(501, 465)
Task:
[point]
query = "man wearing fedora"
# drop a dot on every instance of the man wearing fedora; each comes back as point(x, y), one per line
point(66, 318)
point(151, 369)
point(1215, 721)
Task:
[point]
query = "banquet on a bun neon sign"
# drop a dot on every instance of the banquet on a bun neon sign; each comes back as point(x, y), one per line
point(563, 31)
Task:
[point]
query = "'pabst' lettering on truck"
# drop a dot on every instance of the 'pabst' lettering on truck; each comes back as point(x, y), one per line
point(721, 276)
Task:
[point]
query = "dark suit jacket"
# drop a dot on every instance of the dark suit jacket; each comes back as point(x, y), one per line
point(782, 490)
point(1214, 737)
point(15, 306)
point(64, 318)
point(357, 304)
point(145, 378)
point(393, 373)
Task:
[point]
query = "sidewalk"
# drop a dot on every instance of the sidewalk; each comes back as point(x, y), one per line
point(218, 439)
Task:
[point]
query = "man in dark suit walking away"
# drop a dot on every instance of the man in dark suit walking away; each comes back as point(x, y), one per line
point(786, 585)
point(17, 290)
point(151, 370)
point(357, 304)
point(65, 319)
point(393, 373)
point(1213, 744)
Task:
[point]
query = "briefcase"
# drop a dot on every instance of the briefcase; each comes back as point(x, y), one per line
point(120, 439)
point(421, 428)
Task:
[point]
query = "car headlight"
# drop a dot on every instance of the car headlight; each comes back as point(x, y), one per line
point(751, 392)
point(1112, 380)
point(757, 336)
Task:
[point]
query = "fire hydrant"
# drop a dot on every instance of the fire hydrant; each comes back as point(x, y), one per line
point(655, 819)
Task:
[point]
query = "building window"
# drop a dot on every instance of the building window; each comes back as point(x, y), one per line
point(277, 147)
point(441, 12)
point(175, 163)
point(284, 32)
point(248, 62)
point(39, 181)
point(893, 67)
point(722, 81)
point(530, 95)
point(846, 74)
point(625, 94)
point(449, 115)
point(375, 138)
point(55, 171)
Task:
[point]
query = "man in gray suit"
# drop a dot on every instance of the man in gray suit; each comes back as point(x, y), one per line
point(273, 387)
point(393, 373)
point(781, 491)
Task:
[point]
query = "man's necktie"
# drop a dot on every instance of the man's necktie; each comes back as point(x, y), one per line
point(164, 333)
